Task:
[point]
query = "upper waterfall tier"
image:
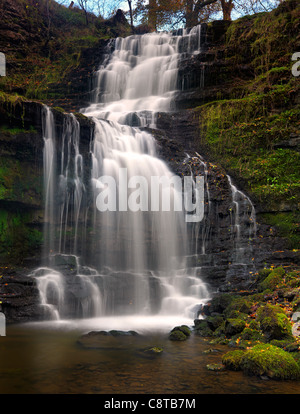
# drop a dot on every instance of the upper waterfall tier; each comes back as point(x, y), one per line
point(140, 78)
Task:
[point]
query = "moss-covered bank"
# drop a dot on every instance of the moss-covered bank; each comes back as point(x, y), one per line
point(251, 127)
point(260, 325)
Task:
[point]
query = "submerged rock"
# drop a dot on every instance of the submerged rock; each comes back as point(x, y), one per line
point(215, 367)
point(97, 339)
point(150, 352)
point(154, 350)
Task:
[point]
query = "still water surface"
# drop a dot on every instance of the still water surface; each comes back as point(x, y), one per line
point(46, 358)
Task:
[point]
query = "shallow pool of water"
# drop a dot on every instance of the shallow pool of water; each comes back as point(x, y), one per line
point(45, 358)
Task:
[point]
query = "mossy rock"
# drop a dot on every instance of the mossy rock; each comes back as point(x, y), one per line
point(155, 350)
point(214, 322)
point(177, 336)
point(288, 345)
point(292, 279)
point(232, 360)
point(220, 302)
point(262, 274)
point(269, 360)
point(234, 326)
point(253, 324)
point(274, 323)
point(220, 331)
point(215, 367)
point(263, 360)
point(235, 314)
point(273, 280)
point(180, 333)
point(239, 305)
point(202, 328)
point(251, 335)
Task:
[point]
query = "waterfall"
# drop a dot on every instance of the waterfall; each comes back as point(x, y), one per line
point(49, 163)
point(141, 77)
point(243, 229)
point(104, 258)
point(244, 220)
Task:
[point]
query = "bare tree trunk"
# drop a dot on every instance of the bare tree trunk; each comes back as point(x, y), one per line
point(130, 13)
point(227, 9)
point(192, 11)
point(83, 5)
point(152, 15)
point(191, 17)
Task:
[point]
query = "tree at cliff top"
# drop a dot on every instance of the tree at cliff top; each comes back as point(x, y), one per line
point(171, 13)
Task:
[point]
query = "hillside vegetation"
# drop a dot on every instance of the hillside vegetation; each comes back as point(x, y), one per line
point(45, 43)
point(255, 132)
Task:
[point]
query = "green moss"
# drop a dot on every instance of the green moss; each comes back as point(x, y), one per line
point(292, 279)
point(273, 280)
point(180, 333)
point(215, 367)
point(262, 274)
point(202, 328)
point(287, 225)
point(15, 131)
point(177, 335)
point(288, 345)
point(240, 135)
point(12, 99)
point(20, 182)
point(249, 334)
point(215, 321)
point(269, 360)
point(263, 360)
point(234, 326)
point(232, 360)
point(18, 239)
point(154, 350)
point(59, 109)
point(220, 302)
point(274, 323)
point(239, 305)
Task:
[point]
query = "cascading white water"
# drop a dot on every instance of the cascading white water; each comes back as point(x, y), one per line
point(243, 212)
point(141, 78)
point(49, 163)
point(71, 186)
point(144, 239)
point(138, 257)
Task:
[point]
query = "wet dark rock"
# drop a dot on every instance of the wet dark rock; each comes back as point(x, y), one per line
point(98, 339)
point(19, 297)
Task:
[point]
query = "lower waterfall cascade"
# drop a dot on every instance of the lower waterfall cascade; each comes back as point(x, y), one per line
point(120, 262)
